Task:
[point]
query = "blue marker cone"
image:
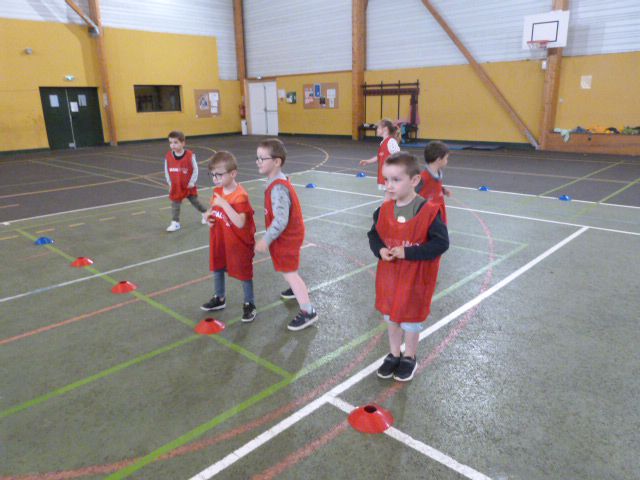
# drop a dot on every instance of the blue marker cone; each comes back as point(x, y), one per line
point(44, 241)
point(484, 188)
point(361, 174)
point(564, 198)
point(311, 185)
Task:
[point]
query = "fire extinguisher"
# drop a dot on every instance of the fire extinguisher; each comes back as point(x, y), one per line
point(242, 111)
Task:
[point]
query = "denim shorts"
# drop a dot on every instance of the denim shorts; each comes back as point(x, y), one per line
point(411, 327)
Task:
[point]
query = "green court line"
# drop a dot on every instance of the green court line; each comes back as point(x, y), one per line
point(177, 316)
point(617, 192)
point(149, 355)
point(217, 420)
point(109, 371)
point(585, 177)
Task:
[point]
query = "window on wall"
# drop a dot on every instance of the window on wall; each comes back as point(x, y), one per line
point(157, 98)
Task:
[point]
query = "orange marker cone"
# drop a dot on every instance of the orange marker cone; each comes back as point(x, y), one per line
point(370, 419)
point(82, 262)
point(210, 326)
point(123, 287)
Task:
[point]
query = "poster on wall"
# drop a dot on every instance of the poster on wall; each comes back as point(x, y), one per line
point(207, 103)
point(321, 95)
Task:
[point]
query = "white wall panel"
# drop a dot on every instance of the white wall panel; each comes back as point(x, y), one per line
point(403, 34)
point(41, 10)
point(212, 18)
point(598, 27)
point(286, 37)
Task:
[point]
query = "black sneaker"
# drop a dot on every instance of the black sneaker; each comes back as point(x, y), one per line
point(287, 294)
point(303, 320)
point(215, 303)
point(405, 370)
point(248, 312)
point(389, 366)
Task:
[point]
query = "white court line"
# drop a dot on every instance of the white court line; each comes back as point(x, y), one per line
point(420, 447)
point(497, 191)
point(158, 259)
point(125, 202)
point(488, 212)
point(269, 434)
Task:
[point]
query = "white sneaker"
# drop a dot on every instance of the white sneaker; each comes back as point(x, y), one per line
point(205, 221)
point(173, 227)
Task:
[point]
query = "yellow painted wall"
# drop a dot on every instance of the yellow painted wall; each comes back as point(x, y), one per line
point(454, 104)
point(135, 57)
point(294, 118)
point(149, 58)
point(614, 97)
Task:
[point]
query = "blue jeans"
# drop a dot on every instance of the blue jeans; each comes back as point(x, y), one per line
point(220, 287)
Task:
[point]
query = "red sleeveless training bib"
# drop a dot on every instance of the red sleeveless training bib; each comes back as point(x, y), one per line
point(285, 250)
point(180, 172)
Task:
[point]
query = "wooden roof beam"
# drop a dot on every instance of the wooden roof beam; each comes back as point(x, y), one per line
point(484, 77)
point(84, 16)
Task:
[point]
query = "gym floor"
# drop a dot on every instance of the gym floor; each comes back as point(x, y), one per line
point(528, 370)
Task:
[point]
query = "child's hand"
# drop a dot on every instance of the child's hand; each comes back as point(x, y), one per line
point(385, 254)
point(191, 185)
point(447, 193)
point(218, 201)
point(261, 246)
point(363, 162)
point(397, 252)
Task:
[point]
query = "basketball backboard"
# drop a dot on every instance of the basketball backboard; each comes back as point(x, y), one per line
point(552, 26)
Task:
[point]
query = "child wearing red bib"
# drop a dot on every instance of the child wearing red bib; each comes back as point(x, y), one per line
point(285, 229)
point(181, 173)
point(390, 134)
point(408, 236)
point(232, 234)
point(436, 156)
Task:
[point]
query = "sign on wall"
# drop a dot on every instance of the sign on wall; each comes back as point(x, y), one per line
point(320, 95)
point(207, 103)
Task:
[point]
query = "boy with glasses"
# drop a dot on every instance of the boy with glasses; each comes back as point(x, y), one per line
point(232, 234)
point(285, 228)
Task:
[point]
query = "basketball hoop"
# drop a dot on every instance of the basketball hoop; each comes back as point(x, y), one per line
point(538, 48)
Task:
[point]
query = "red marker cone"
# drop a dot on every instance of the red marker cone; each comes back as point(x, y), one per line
point(82, 262)
point(123, 287)
point(210, 326)
point(370, 419)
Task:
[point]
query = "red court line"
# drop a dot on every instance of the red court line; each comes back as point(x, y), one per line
point(311, 447)
point(202, 444)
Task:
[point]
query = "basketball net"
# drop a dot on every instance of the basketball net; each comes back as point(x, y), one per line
point(538, 49)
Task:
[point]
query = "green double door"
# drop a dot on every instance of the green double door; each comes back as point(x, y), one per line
point(72, 117)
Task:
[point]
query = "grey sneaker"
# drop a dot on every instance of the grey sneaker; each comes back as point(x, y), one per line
point(216, 303)
point(248, 312)
point(303, 320)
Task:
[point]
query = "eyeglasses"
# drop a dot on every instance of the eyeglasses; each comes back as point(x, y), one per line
point(262, 159)
point(217, 176)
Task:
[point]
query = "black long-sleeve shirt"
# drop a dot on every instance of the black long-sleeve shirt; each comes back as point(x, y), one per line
point(437, 244)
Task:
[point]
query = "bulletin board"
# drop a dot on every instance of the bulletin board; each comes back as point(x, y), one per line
point(321, 95)
point(207, 103)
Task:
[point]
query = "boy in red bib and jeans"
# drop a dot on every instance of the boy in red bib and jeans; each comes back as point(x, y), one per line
point(181, 173)
point(436, 156)
point(408, 236)
point(285, 228)
point(231, 236)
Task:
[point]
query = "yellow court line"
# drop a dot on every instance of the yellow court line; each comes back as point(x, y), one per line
point(9, 237)
point(138, 213)
point(45, 230)
point(73, 225)
point(618, 192)
point(105, 219)
point(165, 208)
point(10, 206)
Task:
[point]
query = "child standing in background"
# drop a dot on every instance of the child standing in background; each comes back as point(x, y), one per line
point(181, 173)
point(436, 156)
point(390, 134)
